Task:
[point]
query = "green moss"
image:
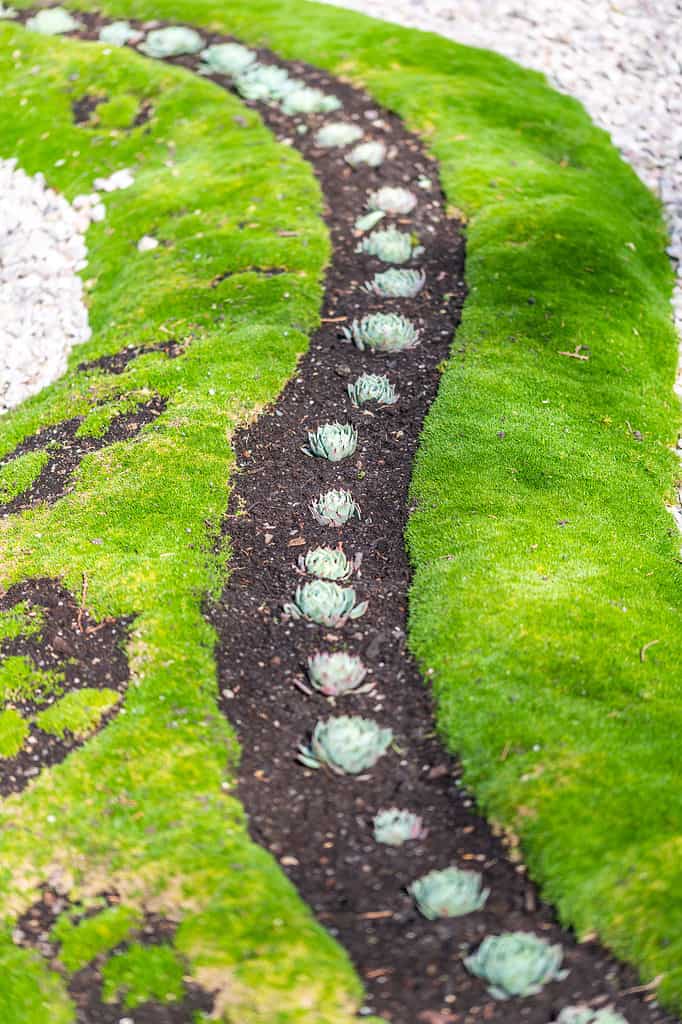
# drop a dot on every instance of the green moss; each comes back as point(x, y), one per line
point(21, 680)
point(141, 973)
point(20, 473)
point(81, 941)
point(118, 112)
point(79, 712)
point(519, 621)
point(30, 992)
point(21, 620)
point(13, 732)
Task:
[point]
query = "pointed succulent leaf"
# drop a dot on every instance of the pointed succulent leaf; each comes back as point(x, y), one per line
point(325, 603)
point(336, 674)
point(516, 964)
point(334, 508)
point(394, 827)
point(583, 1014)
point(397, 284)
point(448, 893)
point(369, 220)
point(226, 59)
point(171, 42)
point(392, 200)
point(339, 133)
point(332, 441)
point(118, 33)
point(305, 100)
point(390, 246)
point(370, 153)
point(382, 332)
point(347, 744)
point(370, 387)
point(53, 21)
point(328, 563)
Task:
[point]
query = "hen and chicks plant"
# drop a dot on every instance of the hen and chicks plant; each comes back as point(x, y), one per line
point(516, 964)
point(325, 603)
point(348, 745)
point(334, 675)
point(382, 332)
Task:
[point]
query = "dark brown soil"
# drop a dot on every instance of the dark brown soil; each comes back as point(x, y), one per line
point(87, 653)
point(84, 108)
point(67, 451)
point(85, 986)
point(318, 825)
point(119, 361)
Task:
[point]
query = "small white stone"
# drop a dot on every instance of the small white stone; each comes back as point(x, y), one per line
point(147, 243)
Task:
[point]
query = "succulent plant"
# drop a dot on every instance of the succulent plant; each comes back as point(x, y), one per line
point(336, 674)
point(370, 153)
point(118, 33)
point(397, 284)
point(339, 133)
point(392, 200)
point(7, 12)
point(516, 964)
point(390, 246)
point(394, 827)
point(333, 441)
point(53, 21)
point(370, 387)
point(382, 332)
point(171, 42)
point(347, 744)
point(369, 220)
point(325, 603)
point(306, 100)
point(265, 82)
point(335, 508)
point(448, 893)
point(586, 1015)
point(226, 59)
point(329, 563)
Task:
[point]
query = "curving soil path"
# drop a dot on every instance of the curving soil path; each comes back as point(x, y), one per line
point(318, 825)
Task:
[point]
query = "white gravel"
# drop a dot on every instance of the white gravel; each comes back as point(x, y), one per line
point(622, 60)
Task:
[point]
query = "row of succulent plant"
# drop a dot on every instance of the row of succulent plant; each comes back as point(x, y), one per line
point(513, 963)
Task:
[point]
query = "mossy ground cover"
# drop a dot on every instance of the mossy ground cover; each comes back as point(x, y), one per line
point(144, 808)
point(544, 559)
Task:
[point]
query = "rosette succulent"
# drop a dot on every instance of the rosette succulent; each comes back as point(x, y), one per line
point(390, 246)
point(53, 21)
point(586, 1015)
point(347, 744)
point(382, 332)
point(305, 100)
point(516, 964)
point(392, 200)
point(370, 153)
point(448, 893)
point(226, 59)
point(329, 563)
point(118, 33)
point(336, 674)
point(333, 441)
point(370, 387)
point(336, 134)
point(265, 82)
point(394, 827)
point(397, 284)
point(171, 42)
point(325, 603)
point(335, 508)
